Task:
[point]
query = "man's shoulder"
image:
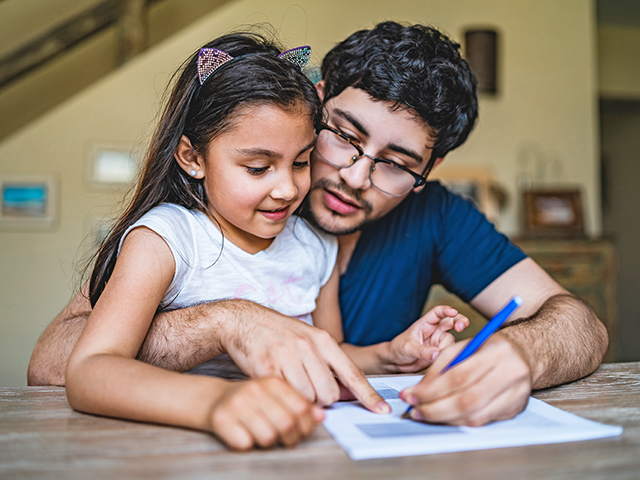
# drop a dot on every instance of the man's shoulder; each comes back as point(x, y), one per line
point(437, 195)
point(435, 202)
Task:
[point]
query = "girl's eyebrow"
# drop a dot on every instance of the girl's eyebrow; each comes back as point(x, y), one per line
point(308, 147)
point(259, 152)
point(265, 152)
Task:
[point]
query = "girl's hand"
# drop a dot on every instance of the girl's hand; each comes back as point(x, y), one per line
point(417, 347)
point(262, 412)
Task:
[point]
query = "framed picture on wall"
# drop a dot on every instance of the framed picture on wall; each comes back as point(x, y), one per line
point(111, 166)
point(28, 202)
point(553, 213)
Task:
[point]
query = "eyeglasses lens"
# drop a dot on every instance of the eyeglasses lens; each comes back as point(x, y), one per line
point(340, 153)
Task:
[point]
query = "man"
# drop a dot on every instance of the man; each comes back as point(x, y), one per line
point(396, 100)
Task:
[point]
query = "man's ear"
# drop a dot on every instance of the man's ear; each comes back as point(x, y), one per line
point(320, 89)
point(435, 164)
point(188, 158)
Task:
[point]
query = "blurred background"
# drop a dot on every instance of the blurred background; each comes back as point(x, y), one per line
point(553, 161)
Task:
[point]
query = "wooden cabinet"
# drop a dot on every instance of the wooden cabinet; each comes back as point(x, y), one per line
point(587, 268)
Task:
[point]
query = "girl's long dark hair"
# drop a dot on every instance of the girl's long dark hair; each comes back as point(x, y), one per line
point(201, 113)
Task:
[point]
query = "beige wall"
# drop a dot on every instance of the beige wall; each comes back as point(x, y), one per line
point(22, 22)
point(548, 96)
point(42, 89)
point(619, 62)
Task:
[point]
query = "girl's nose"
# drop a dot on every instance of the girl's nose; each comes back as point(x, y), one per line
point(285, 188)
point(357, 176)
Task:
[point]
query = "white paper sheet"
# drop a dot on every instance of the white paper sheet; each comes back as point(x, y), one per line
point(366, 435)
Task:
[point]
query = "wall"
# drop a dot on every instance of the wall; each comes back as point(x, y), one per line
point(619, 84)
point(22, 22)
point(619, 62)
point(620, 147)
point(33, 94)
point(547, 96)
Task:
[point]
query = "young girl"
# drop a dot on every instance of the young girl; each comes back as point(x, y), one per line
point(228, 165)
point(211, 219)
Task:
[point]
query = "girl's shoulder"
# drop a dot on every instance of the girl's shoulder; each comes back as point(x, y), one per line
point(175, 223)
point(172, 211)
point(173, 217)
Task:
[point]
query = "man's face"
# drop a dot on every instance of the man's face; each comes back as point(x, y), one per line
point(343, 200)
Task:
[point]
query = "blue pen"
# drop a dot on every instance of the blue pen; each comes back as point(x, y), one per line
point(483, 335)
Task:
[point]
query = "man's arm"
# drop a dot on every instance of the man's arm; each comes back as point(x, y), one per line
point(53, 349)
point(560, 334)
point(557, 339)
point(177, 340)
point(261, 341)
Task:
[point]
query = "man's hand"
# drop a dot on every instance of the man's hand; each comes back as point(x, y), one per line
point(493, 384)
point(558, 339)
point(417, 347)
point(272, 344)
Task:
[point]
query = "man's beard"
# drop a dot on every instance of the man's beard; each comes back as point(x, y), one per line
point(307, 212)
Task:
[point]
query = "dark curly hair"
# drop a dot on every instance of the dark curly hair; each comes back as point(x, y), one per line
point(414, 67)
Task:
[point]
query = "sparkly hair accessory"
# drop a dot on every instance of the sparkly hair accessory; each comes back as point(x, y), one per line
point(298, 56)
point(210, 59)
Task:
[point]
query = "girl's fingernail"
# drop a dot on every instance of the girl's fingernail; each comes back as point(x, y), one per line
point(434, 355)
point(383, 407)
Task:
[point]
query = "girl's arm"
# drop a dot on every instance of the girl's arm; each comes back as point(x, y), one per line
point(327, 313)
point(104, 378)
point(413, 350)
point(327, 316)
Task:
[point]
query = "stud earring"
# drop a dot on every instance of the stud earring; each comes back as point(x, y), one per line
point(193, 173)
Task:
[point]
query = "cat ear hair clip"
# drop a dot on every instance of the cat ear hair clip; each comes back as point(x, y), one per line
point(211, 59)
point(298, 56)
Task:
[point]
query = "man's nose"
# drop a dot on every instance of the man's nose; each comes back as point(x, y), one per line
point(357, 176)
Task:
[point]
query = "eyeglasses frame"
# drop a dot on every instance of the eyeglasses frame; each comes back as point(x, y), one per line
point(420, 180)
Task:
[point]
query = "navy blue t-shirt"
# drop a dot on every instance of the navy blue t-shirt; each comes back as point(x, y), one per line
point(434, 237)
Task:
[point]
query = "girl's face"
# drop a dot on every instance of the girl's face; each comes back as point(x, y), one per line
point(256, 173)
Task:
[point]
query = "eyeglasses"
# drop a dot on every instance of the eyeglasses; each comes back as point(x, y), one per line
point(337, 149)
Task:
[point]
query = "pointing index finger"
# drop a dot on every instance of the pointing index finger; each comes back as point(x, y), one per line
point(355, 381)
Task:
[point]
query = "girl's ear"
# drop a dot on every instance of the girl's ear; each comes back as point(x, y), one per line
point(188, 158)
point(320, 89)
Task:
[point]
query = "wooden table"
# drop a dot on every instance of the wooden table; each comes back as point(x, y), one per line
point(41, 437)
